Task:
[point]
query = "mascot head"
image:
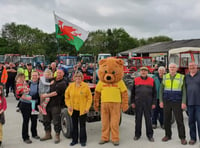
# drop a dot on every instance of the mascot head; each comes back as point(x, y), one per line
point(111, 70)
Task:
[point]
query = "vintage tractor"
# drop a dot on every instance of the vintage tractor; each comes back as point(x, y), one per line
point(14, 58)
point(85, 58)
point(183, 56)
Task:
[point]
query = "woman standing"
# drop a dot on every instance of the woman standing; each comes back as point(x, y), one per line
point(78, 99)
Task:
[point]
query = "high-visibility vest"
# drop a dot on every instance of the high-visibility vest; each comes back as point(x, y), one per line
point(173, 91)
point(4, 76)
point(26, 74)
point(20, 70)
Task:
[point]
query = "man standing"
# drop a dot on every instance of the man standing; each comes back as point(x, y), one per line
point(173, 98)
point(12, 72)
point(193, 102)
point(57, 91)
point(28, 71)
point(143, 99)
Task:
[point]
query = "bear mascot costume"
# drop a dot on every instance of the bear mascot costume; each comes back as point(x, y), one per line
point(112, 92)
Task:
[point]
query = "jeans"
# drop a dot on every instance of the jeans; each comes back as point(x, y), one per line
point(194, 120)
point(26, 115)
point(157, 114)
point(82, 120)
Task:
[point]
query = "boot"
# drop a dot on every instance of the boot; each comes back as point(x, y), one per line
point(57, 138)
point(47, 136)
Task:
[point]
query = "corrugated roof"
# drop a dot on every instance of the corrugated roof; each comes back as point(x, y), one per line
point(164, 47)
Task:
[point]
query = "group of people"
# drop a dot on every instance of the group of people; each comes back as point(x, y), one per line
point(158, 96)
point(163, 93)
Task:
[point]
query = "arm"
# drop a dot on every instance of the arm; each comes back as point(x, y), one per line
point(154, 95)
point(67, 97)
point(124, 96)
point(89, 100)
point(4, 105)
point(43, 80)
point(133, 93)
point(183, 106)
point(161, 95)
point(97, 96)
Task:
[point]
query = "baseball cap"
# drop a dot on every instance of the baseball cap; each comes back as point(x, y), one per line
point(29, 64)
point(144, 68)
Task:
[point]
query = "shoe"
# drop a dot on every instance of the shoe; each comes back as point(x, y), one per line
point(17, 109)
point(42, 110)
point(102, 142)
point(36, 137)
point(183, 142)
point(154, 126)
point(34, 112)
point(57, 138)
point(6, 95)
point(28, 141)
point(151, 139)
point(47, 136)
point(136, 138)
point(83, 144)
point(164, 139)
point(192, 142)
point(115, 143)
point(73, 143)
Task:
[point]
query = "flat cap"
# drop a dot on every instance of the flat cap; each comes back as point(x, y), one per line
point(144, 68)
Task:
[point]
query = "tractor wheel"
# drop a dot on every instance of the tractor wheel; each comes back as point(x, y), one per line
point(66, 123)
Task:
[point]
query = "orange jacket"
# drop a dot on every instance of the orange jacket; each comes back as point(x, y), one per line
point(4, 76)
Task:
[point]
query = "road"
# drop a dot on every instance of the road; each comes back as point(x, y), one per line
point(12, 134)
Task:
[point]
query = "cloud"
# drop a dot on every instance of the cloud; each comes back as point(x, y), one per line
point(177, 19)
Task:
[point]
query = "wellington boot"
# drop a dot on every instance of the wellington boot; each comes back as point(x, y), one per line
point(57, 138)
point(47, 136)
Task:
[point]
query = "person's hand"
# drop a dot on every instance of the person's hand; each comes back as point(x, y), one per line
point(1, 111)
point(133, 105)
point(183, 106)
point(161, 105)
point(43, 96)
point(51, 82)
point(86, 111)
point(153, 106)
point(70, 109)
point(96, 108)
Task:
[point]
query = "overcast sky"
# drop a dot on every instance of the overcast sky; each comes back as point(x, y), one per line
point(178, 19)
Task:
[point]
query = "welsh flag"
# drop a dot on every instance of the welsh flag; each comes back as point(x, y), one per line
point(73, 34)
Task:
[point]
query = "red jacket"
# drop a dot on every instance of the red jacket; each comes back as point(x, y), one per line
point(3, 103)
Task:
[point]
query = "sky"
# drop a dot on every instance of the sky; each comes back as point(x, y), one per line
point(177, 19)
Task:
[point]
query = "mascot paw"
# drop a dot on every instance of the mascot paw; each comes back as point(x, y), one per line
point(124, 109)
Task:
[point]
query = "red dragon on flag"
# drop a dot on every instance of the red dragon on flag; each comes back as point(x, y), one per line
point(73, 34)
point(67, 30)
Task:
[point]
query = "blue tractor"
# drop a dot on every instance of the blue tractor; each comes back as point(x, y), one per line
point(67, 63)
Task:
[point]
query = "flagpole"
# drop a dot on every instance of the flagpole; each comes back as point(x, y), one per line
point(56, 38)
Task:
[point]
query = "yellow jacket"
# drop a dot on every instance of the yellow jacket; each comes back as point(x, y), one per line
point(79, 98)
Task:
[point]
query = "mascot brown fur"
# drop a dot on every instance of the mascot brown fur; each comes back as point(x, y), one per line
point(112, 92)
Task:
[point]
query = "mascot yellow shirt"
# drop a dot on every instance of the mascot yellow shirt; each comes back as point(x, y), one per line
point(111, 92)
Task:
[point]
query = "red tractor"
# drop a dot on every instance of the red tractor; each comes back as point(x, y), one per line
point(183, 56)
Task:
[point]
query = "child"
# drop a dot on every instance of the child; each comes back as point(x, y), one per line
point(3, 107)
point(22, 91)
point(44, 87)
